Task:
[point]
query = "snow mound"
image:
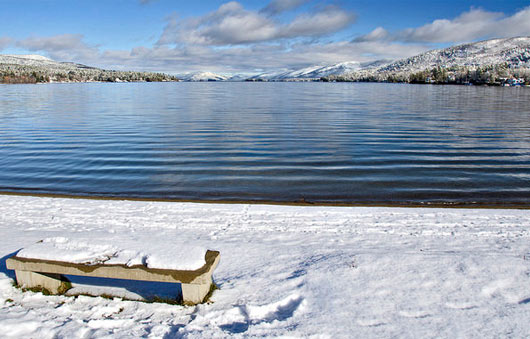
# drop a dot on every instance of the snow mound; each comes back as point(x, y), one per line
point(92, 252)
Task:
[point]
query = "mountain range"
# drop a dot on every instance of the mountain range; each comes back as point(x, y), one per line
point(494, 56)
point(312, 72)
point(492, 62)
point(487, 61)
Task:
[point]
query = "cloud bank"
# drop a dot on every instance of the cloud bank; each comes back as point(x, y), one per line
point(4, 42)
point(67, 47)
point(257, 57)
point(472, 25)
point(232, 24)
point(286, 34)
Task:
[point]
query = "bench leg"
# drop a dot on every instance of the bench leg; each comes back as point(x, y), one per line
point(52, 282)
point(194, 293)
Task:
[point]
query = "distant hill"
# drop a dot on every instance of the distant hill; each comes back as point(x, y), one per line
point(39, 69)
point(484, 62)
point(38, 61)
point(202, 76)
point(315, 72)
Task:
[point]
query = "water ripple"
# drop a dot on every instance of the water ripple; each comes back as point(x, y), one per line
point(345, 143)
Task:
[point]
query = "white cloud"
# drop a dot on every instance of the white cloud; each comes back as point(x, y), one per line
point(65, 47)
point(330, 19)
point(4, 42)
point(517, 24)
point(252, 58)
point(377, 34)
point(472, 25)
point(233, 39)
point(266, 56)
point(231, 24)
point(468, 26)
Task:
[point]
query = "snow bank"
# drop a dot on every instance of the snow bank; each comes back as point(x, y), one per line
point(327, 272)
point(92, 251)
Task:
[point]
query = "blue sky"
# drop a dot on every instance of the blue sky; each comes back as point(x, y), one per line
point(248, 36)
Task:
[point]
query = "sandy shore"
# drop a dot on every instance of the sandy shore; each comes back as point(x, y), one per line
point(297, 271)
point(279, 203)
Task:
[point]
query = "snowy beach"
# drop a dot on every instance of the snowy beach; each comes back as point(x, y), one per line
point(291, 271)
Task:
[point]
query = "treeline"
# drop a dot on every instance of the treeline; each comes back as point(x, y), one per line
point(481, 75)
point(23, 74)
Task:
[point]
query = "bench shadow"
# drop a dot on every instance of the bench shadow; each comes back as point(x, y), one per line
point(128, 289)
point(3, 266)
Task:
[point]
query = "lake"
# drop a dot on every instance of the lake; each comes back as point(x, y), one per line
point(351, 143)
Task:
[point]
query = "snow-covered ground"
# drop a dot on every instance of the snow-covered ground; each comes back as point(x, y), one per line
point(337, 272)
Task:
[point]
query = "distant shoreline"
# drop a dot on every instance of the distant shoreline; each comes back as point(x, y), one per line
point(276, 203)
point(267, 81)
point(85, 82)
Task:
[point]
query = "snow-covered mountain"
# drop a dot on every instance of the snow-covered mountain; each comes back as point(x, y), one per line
point(24, 59)
point(202, 76)
point(39, 61)
point(513, 51)
point(317, 72)
point(490, 62)
point(312, 72)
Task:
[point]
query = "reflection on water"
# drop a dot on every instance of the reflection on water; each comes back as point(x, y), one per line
point(319, 142)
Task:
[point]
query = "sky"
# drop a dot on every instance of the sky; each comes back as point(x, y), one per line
point(230, 37)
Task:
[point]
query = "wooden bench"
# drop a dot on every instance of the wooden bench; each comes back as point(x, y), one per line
point(50, 274)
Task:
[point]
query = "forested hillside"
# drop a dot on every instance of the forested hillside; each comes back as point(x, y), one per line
point(37, 69)
point(493, 62)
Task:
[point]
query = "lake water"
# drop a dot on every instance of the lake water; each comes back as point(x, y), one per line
point(314, 142)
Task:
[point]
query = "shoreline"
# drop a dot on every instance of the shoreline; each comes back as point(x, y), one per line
point(460, 205)
point(268, 81)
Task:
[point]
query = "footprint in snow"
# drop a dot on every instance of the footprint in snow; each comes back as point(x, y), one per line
point(254, 315)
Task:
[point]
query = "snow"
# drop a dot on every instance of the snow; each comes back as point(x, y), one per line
point(39, 61)
point(202, 76)
point(30, 60)
point(514, 51)
point(311, 72)
point(35, 57)
point(86, 251)
point(64, 249)
point(285, 271)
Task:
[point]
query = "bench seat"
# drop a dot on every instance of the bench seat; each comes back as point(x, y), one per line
point(49, 274)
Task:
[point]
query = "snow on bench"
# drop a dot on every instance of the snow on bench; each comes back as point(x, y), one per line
point(44, 264)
